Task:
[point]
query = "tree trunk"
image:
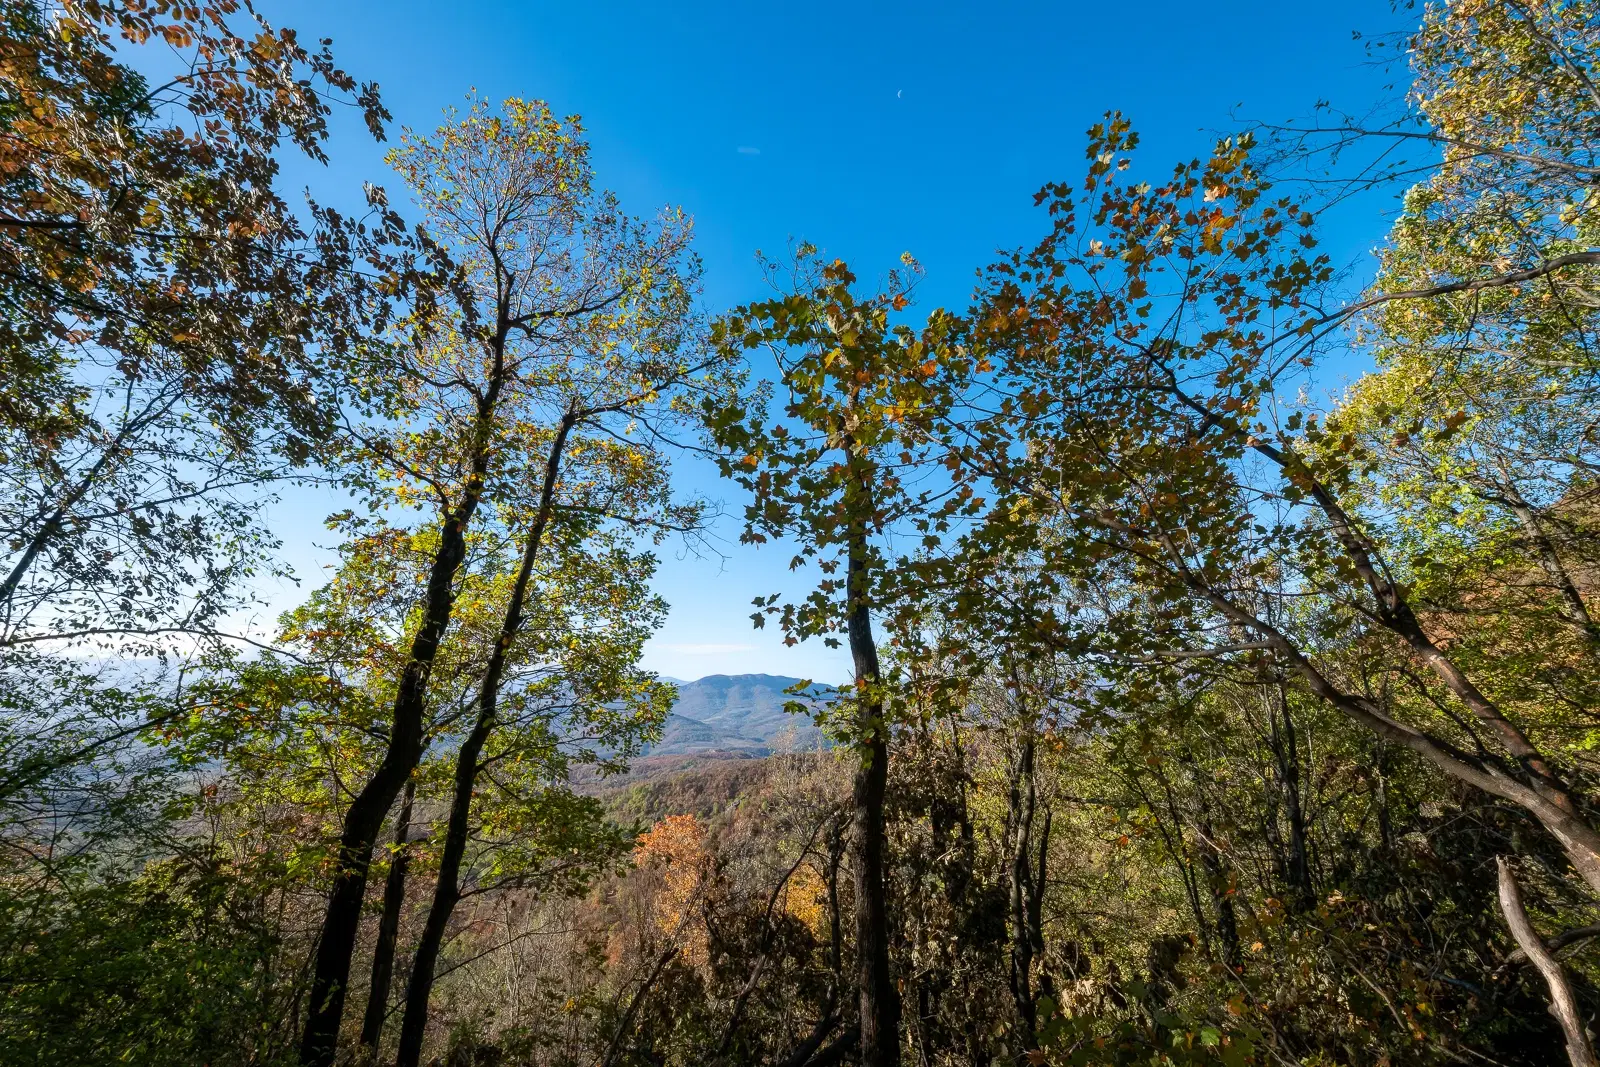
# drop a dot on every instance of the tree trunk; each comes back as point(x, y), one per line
point(1563, 1005)
point(837, 846)
point(1041, 878)
point(446, 894)
point(330, 975)
point(1022, 800)
point(447, 889)
point(801, 1054)
point(394, 895)
point(880, 1002)
point(1380, 795)
point(1286, 767)
point(342, 919)
point(1572, 608)
point(1221, 884)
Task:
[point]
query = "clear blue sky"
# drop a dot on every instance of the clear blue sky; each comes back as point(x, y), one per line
point(867, 128)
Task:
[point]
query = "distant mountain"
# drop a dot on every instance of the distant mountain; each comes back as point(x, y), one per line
point(739, 713)
point(681, 735)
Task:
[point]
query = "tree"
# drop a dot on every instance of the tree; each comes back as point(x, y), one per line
point(557, 687)
point(1157, 332)
point(170, 327)
point(834, 471)
point(1152, 420)
point(555, 296)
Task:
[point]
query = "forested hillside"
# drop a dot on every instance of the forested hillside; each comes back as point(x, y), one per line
point(1223, 619)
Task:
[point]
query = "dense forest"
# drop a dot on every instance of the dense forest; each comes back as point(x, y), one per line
point(1201, 713)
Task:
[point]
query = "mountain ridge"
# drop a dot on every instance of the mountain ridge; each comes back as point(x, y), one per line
point(740, 713)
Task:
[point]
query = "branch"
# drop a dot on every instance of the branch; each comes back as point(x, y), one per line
point(1563, 1005)
point(1498, 281)
point(1433, 137)
point(1206, 653)
point(1557, 943)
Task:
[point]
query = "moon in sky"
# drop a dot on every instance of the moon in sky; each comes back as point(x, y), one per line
point(898, 93)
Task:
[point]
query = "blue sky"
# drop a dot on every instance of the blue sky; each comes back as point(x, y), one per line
point(869, 129)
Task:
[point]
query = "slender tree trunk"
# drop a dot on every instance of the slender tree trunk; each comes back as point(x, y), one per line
point(330, 975)
point(342, 919)
point(1022, 802)
point(837, 847)
point(1380, 797)
point(620, 1035)
point(879, 998)
point(880, 1002)
point(1220, 883)
point(1541, 791)
point(447, 889)
point(1177, 849)
point(394, 896)
point(1572, 608)
point(446, 894)
point(1044, 984)
point(1286, 761)
point(834, 1053)
point(1563, 1005)
point(926, 1009)
point(801, 1054)
point(951, 836)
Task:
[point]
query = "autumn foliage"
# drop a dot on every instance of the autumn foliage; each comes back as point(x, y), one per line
point(1222, 622)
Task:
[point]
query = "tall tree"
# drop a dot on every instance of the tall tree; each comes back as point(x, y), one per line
point(837, 471)
point(594, 493)
point(544, 265)
point(1158, 334)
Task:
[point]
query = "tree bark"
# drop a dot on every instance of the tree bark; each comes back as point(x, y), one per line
point(446, 894)
point(875, 985)
point(394, 895)
point(1563, 1005)
point(342, 918)
point(1026, 937)
point(447, 889)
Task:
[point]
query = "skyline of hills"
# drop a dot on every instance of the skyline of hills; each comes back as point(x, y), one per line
point(739, 713)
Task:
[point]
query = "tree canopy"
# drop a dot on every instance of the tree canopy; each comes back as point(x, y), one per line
point(1197, 714)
